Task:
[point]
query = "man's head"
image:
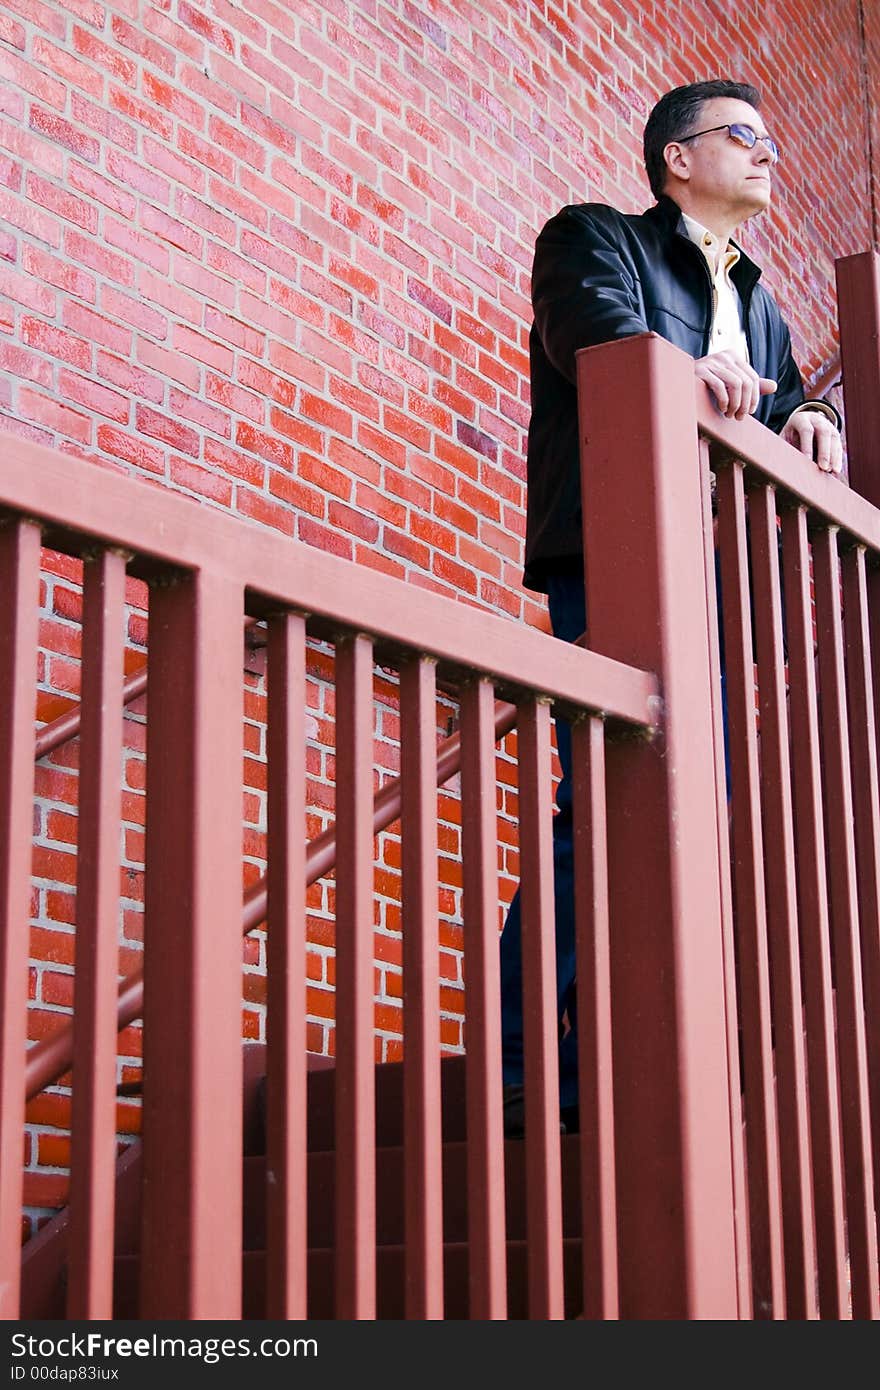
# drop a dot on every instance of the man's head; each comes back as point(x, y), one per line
point(679, 113)
point(693, 155)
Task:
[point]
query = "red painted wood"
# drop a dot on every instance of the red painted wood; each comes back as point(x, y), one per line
point(93, 1131)
point(595, 1049)
point(647, 604)
point(812, 894)
point(792, 472)
point(355, 1077)
point(192, 1107)
point(165, 528)
point(750, 908)
point(843, 897)
point(486, 1260)
point(780, 871)
point(421, 992)
point(861, 677)
point(858, 308)
point(286, 1133)
point(725, 887)
point(870, 966)
point(50, 1057)
point(540, 1028)
point(20, 586)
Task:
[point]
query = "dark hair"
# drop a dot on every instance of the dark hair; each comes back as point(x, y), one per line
point(677, 113)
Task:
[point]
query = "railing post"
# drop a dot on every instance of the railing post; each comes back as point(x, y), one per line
point(192, 1196)
point(20, 586)
point(858, 301)
point(646, 605)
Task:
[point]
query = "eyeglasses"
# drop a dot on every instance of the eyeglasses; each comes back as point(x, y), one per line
point(742, 134)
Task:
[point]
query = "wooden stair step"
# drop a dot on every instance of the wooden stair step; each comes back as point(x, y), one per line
point(390, 1190)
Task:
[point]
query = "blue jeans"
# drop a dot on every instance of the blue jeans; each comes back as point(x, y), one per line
point(568, 620)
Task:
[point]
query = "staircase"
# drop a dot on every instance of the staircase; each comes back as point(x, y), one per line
point(44, 1266)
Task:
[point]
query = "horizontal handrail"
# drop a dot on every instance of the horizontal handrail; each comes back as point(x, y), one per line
point(66, 726)
point(790, 471)
point(51, 1057)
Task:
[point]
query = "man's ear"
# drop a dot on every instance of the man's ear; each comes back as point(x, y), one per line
point(677, 160)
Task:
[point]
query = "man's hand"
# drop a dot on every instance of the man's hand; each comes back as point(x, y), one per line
point(817, 437)
point(736, 386)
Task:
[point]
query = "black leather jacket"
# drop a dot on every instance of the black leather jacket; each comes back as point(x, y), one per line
point(598, 275)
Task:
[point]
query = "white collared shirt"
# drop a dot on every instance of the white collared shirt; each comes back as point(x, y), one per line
point(727, 331)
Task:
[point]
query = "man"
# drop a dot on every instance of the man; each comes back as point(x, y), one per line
point(599, 275)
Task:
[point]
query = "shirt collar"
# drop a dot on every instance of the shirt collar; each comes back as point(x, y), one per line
point(710, 245)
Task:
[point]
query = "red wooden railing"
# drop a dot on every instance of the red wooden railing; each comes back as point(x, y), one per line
point(205, 571)
point(754, 1192)
point(51, 1057)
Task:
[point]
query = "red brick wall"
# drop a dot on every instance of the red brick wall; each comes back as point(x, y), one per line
point(276, 255)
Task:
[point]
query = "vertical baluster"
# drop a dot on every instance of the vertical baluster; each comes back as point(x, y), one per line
point(750, 917)
point(540, 1028)
point(486, 1232)
point(423, 1163)
point(19, 585)
point(192, 1203)
point(355, 1063)
point(851, 1042)
point(728, 941)
point(866, 810)
point(286, 1077)
point(593, 971)
point(93, 1149)
point(812, 891)
point(781, 886)
point(864, 615)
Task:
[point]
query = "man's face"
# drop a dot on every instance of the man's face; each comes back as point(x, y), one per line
point(723, 177)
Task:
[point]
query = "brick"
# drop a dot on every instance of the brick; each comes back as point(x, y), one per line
point(235, 463)
point(234, 331)
point(170, 431)
point(70, 209)
point(105, 122)
point(132, 37)
point(132, 379)
point(203, 349)
point(94, 397)
point(260, 508)
point(36, 223)
point(194, 478)
point(60, 419)
point(215, 34)
point(140, 248)
point(168, 363)
point(323, 537)
point(20, 74)
point(131, 449)
point(235, 398)
point(200, 412)
point(25, 365)
point(170, 229)
point(97, 328)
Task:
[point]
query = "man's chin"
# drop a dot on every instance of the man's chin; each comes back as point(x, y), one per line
point(758, 194)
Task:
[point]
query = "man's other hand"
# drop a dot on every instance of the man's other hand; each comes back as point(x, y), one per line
point(736, 386)
point(817, 437)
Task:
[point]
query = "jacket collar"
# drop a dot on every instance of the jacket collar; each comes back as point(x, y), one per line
point(667, 216)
